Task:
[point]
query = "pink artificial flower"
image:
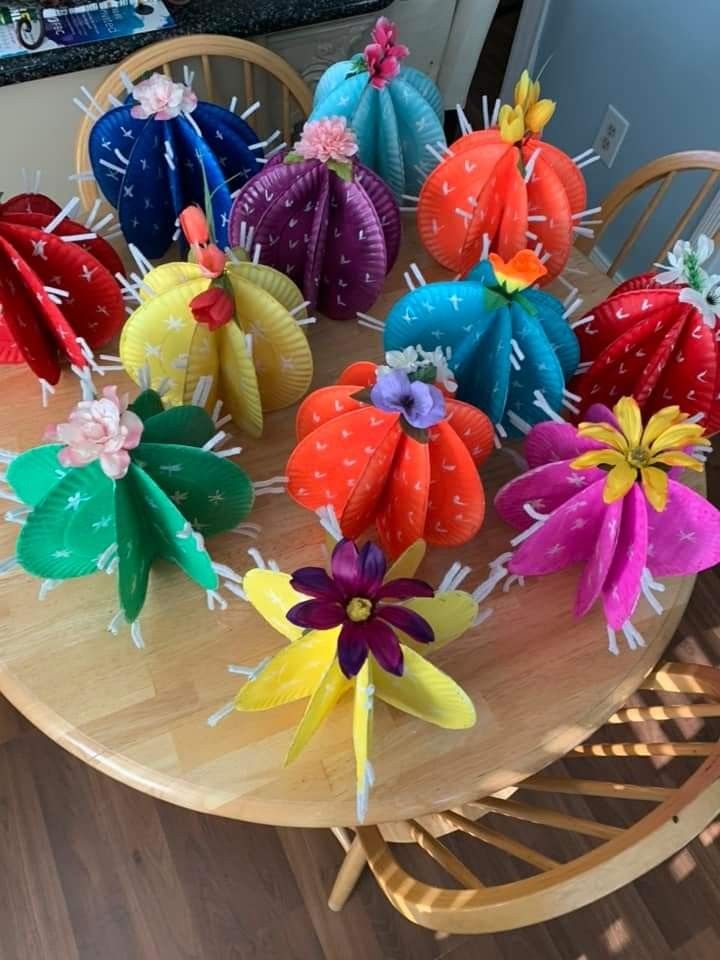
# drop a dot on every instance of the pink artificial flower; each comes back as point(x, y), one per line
point(161, 98)
point(327, 139)
point(382, 67)
point(101, 430)
point(621, 546)
point(385, 34)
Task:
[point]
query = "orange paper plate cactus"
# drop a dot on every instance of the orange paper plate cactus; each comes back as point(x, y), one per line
point(387, 446)
point(503, 189)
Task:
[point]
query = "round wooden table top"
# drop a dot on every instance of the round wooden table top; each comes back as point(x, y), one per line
point(541, 681)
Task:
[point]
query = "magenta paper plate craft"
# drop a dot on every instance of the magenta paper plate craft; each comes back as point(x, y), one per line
point(604, 495)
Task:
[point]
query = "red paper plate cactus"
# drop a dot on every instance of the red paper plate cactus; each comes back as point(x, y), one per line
point(503, 189)
point(656, 338)
point(59, 299)
point(388, 446)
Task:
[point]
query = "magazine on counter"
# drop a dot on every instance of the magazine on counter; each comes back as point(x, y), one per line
point(67, 26)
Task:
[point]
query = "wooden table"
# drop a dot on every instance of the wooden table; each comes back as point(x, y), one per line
point(541, 681)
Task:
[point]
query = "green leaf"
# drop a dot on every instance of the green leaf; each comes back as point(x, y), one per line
point(342, 168)
point(416, 433)
point(187, 425)
point(209, 491)
point(71, 527)
point(147, 404)
point(494, 299)
point(34, 473)
point(293, 157)
point(359, 65)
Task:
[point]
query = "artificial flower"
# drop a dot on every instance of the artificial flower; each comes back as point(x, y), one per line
point(159, 97)
point(511, 121)
point(206, 254)
point(214, 307)
point(384, 33)
point(103, 430)
point(518, 273)
point(685, 261)
point(327, 139)
point(422, 405)
point(382, 67)
point(630, 450)
point(539, 115)
point(352, 599)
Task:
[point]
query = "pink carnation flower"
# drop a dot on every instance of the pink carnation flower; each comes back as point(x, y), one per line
point(101, 430)
point(161, 98)
point(327, 139)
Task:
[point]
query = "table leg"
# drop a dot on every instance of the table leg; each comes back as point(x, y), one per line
point(348, 875)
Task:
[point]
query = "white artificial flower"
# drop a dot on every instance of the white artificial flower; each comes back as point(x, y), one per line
point(706, 301)
point(440, 360)
point(684, 258)
point(406, 359)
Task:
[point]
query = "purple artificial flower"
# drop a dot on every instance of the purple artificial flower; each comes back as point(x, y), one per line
point(422, 404)
point(352, 599)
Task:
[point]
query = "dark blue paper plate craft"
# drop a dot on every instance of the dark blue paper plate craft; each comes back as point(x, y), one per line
point(163, 150)
point(509, 347)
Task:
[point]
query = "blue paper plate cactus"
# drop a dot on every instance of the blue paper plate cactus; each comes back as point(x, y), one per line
point(395, 111)
point(164, 150)
point(510, 347)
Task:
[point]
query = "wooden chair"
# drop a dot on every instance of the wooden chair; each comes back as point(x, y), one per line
point(663, 172)
point(295, 96)
point(602, 842)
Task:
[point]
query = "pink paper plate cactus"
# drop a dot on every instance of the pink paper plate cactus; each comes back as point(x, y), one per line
point(603, 495)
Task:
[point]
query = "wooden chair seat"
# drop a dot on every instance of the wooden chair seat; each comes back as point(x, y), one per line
point(570, 835)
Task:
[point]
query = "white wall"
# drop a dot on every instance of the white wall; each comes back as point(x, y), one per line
point(657, 62)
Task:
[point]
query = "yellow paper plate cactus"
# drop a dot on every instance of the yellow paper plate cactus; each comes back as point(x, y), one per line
point(227, 319)
point(358, 629)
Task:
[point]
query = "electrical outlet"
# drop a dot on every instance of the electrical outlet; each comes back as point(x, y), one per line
point(610, 135)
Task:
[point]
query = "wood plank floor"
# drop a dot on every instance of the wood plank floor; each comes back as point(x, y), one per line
point(93, 870)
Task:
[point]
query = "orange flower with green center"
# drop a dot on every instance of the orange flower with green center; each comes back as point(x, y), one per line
point(631, 449)
point(520, 272)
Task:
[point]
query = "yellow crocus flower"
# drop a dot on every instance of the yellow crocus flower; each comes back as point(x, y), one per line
point(631, 450)
point(539, 115)
point(512, 123)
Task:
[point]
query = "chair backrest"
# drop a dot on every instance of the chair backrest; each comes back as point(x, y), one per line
point(171, 55)
point(628, 847)
point(662, 172)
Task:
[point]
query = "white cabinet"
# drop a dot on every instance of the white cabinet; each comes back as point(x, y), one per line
point(444, 36)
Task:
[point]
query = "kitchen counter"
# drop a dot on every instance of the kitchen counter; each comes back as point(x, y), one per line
point(236, 18)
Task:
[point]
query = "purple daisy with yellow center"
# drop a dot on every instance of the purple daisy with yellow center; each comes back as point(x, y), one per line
point(354, 599)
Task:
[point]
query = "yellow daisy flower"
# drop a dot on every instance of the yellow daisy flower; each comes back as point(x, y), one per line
point(632, 450)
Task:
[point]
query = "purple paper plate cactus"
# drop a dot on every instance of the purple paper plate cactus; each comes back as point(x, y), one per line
point(324, 219)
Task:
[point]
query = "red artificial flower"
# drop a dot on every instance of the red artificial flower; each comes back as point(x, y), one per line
point(215, 307)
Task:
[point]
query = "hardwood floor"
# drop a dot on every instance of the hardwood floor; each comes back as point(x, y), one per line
point(93, 870)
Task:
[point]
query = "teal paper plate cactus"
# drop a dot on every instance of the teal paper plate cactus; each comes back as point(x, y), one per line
point(395, 110)
point(509, 346)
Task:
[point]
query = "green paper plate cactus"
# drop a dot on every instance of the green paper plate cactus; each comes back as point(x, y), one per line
point(126, 485)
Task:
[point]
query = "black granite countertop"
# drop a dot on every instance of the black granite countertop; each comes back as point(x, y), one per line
point(236, 18)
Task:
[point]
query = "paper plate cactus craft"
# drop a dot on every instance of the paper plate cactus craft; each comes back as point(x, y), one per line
point(324, 219)
point(509, 346)
point(59, 299)
point(505, 187)
point(362, 628)
point(163, 150)
point(120, 486)
point(397, 112)
point(656, 337)
point(223, 320)
point(604, 495)
point(385, 445)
